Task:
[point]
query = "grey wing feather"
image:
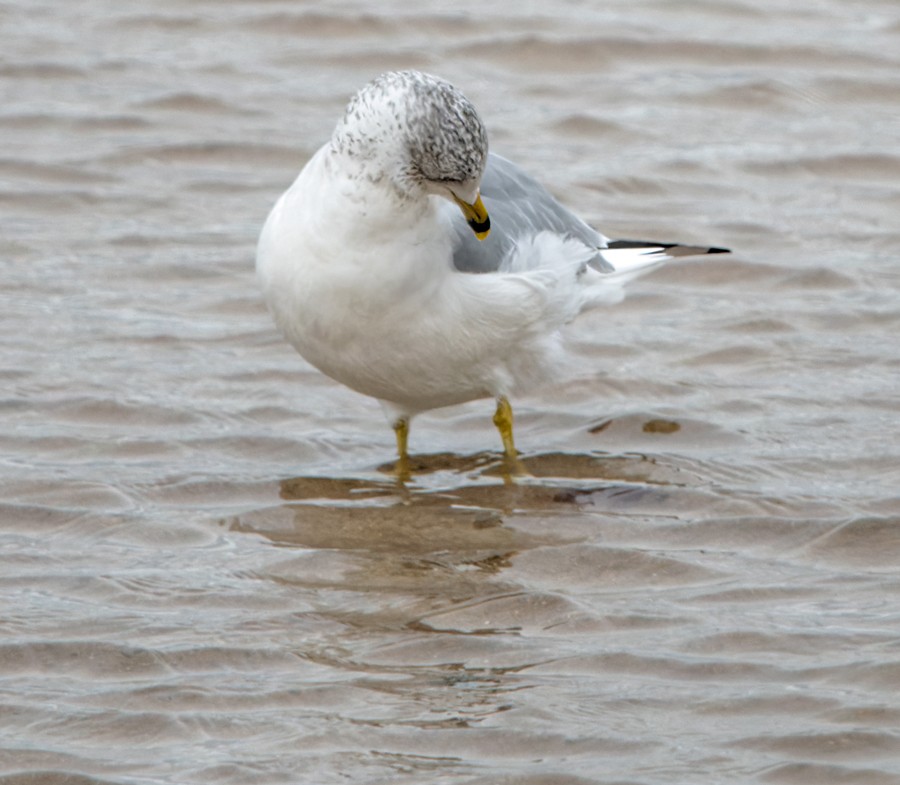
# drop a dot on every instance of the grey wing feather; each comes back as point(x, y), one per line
point(518, 206)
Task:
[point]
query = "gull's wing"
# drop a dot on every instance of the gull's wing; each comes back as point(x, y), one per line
point(520, 207)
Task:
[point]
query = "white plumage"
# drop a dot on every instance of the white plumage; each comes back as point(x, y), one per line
point(373, 274)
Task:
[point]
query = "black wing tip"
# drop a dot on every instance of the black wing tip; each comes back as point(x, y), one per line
point(637, 244)
point(649, 244)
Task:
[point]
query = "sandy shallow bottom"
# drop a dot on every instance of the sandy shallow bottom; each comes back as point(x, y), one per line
point(207, 571)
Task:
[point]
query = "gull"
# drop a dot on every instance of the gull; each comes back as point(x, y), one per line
point(413, 266)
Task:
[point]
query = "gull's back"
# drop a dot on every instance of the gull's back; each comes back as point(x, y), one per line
point(519, 207)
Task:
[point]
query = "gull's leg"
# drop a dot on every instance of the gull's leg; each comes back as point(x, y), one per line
point(503, 419)
point(401, 431)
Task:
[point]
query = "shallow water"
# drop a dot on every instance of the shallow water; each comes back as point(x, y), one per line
point(207, 573)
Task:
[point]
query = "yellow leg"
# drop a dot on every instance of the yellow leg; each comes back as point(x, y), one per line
point(503, 419)
point(401, 431)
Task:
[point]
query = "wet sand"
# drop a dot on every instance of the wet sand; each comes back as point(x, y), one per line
point(207, 571)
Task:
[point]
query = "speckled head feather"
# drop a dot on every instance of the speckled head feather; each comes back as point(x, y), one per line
point(413, 127)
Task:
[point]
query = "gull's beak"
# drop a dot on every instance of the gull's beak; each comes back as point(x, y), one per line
point(476, 216)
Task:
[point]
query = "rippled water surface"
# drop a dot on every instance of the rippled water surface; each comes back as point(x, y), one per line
point(207, 575)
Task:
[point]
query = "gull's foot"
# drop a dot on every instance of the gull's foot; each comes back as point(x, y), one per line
point(403, 470)
point(512, 467)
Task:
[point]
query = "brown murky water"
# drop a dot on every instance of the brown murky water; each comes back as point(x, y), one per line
point(204, 575)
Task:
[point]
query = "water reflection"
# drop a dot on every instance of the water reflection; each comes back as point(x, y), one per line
point(453, 503)
point(443, 543)
point(440, 602)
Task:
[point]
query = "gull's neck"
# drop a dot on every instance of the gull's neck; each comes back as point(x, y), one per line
point(371, 206)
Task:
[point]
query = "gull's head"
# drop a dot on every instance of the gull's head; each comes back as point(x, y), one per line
point(420, 134)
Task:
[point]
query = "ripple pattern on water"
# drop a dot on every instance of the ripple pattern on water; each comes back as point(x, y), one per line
point(208, 572)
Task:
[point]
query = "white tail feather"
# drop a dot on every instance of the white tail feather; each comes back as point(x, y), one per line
point(631, 262)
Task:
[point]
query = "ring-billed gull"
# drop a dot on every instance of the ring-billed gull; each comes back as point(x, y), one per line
point(382, 267)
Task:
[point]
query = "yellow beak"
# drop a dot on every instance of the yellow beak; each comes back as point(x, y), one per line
point(476, 216)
